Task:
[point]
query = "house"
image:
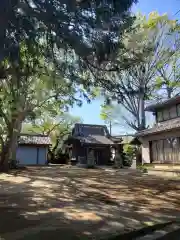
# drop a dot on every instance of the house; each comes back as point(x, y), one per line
point(32, 149)
point(161, 143)
point(86, 136)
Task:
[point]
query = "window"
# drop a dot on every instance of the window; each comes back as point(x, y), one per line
point(165, 114)
point(159, 116)
point(173, 112)
point(178, 110)
point(173, 142)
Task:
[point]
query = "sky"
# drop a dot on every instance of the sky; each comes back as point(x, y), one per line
point(90, 113)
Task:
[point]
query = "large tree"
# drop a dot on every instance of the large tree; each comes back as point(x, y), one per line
point(26, 93)
point(167, 82)
point(158, 37)
point(87, 27)
point(46, 50)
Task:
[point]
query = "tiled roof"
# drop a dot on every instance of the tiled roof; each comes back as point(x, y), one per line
point(162, 104)
point(95, 139)
point(161, 127)
point(92, 134)
point(34, 139)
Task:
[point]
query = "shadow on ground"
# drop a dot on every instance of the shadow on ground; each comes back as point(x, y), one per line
point(80, 203)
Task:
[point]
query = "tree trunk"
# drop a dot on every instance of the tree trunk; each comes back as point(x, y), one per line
point(14, 139)
point(142, 113)
point(4, 164)
point(10, 148)
point(169, 92)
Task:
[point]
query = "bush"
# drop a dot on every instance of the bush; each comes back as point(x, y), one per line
point(129, 152)
point(142, 168)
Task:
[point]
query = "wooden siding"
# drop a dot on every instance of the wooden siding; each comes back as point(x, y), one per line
point(102, 154)
point(166, 150)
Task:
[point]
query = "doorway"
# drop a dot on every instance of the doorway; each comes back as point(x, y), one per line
point(100, 156)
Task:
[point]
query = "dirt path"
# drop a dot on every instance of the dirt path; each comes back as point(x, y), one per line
point(79, 203)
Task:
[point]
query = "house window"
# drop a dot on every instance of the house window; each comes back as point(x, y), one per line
point(175, 142)
point(159, 116)
point(178, 110)
point(165, 114)
point(173, 112)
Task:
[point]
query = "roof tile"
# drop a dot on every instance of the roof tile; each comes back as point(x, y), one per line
point(162, 104)
point(161, 127)
point(34, 139)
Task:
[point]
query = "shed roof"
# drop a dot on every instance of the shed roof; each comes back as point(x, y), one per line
point(166, 103)
point(161, 127)
point(37, 139)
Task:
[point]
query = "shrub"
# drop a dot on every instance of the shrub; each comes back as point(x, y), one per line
point(142, 168)
point(129, 153)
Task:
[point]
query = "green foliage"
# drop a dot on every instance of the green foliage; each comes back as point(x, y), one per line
point(129, 149)
point(110, 113)
point(129, 153)
point(47, 48)
point(86, 29)
point(142, 168)
point(58, 127)
point(155, 43)
point(31, 91)
point(106, 112)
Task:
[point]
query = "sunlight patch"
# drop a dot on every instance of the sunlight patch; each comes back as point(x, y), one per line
point(14, 179)
point(43, 184)
point(81, 215)
point(149, 223)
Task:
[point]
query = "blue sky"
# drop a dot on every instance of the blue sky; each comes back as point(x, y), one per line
point(90, 113)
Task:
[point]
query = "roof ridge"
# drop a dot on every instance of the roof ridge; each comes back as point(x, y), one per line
point(167, 125)
point(88, 124)
point(33, 135)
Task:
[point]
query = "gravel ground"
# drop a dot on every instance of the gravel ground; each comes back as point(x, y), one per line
point(76, 203)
